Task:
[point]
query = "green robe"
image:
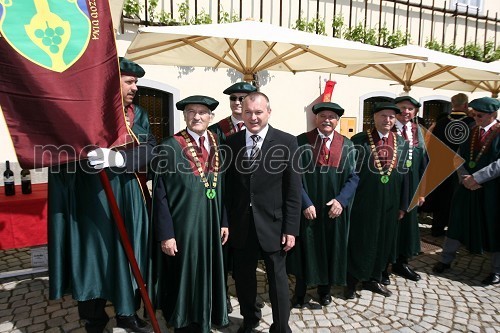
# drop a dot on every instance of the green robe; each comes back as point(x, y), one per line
point(408, 236)
point(86, 257)
point(223, 129)
point(475, 216)
point(190, 287)
point(374, 214)
point(320, 253)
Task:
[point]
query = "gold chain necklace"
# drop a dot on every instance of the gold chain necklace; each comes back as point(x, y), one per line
point(410, 145)
point(210, 192)
point(384, 179)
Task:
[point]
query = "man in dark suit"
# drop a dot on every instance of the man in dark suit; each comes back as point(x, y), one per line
point(263, 202)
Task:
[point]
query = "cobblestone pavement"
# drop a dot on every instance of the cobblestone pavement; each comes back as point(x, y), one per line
point(453, 302)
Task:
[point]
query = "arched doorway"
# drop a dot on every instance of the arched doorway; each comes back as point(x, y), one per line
point(434, 109)
point(158, 100)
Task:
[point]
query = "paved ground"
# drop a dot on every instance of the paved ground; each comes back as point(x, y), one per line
point(454, 302)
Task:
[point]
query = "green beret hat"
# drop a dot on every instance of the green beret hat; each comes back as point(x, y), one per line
point(409, 99)
point(128, 67)
point(485, 104)
point(197, 99)
point(328, 106)
point(240, 87)
point(385, 106)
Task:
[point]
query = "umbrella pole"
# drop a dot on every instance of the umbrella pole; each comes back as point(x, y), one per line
point(128, 249)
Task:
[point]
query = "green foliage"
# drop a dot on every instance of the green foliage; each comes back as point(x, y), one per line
point(152, 4)
point(201, 18)
point(472, 51)
point(132, 9)
point(490, 54)
point(225, 17)
point(433, 45)
point(166, 19)
point(338, 26)
point(396, 39)
point(361, 34)
point(183, 9)
point(317, 25)
point(453, 49)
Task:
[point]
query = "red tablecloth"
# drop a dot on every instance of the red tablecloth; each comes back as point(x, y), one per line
point(23, 218)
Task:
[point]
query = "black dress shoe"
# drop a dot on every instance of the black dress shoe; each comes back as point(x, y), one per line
point(440, 267)
point(493, 278)
point(228, 305)
point(133, 324)
point(298, 302)
point(405, 271)
point(385, 278)
point(259, 305)
point(325, 299)
point(377, 288)
point(349, 293)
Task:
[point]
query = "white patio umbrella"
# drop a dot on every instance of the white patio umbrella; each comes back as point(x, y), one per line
point(250, 47)
point(440, 70)
point(491, 86)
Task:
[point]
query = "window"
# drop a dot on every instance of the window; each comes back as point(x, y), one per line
point(474, 6)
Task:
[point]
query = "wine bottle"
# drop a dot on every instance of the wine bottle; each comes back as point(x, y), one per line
point(25, 181)
point(8, 180)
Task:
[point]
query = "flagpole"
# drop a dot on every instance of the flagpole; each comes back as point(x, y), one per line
point(128, 249)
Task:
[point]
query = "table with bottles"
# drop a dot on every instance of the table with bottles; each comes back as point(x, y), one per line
point(23, 218)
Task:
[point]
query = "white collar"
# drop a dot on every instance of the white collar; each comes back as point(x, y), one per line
point(262, 133)
point(196, 136)
point(489, 126)
point(321, 135)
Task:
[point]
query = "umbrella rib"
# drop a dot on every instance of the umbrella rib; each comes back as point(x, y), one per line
point(213, 55)
point(196, 39)
point(319, 55)
point(226, 53)
point(270, 48)
point(437, 72)
point(279, 58)
point(390, 74)
point(361, 70)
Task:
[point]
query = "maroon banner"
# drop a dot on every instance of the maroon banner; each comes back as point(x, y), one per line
point(60, 89)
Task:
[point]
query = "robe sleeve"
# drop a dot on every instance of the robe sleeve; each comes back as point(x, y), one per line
point(138, 158)
point(348, 190)
point(306, 201)
point(487, 173)
point(163, 222)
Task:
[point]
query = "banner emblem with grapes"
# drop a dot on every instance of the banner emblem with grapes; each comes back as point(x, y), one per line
point(50, 33)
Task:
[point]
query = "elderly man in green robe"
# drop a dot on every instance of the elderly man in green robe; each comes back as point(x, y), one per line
point(475, 213)
point(380, 201)
point(408, 236)
point(329, 183)
point(190, 223)
point(86, 256)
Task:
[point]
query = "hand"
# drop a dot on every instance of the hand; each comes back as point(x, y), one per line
point(288, 241)
point(335, 209)
point(470, 183)
point(169, 247)
point(104, 157)
point(421, 201)
point(401, 214)
point(310, 213)
point(224, 235)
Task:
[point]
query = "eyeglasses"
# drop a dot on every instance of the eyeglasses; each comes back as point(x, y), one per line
point(234, 98)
